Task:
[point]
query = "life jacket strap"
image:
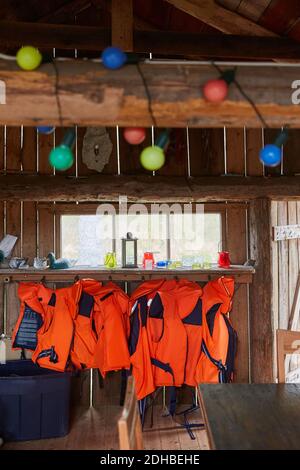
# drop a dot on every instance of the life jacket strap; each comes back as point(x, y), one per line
point(163, 365)
point(222, 368)
point(49, 353)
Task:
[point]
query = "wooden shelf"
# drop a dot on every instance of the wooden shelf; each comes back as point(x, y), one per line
point(241, 274)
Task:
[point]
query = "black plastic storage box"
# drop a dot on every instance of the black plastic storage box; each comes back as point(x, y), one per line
point(34, 402)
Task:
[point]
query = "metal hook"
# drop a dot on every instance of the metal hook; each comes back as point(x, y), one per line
point(76, 278)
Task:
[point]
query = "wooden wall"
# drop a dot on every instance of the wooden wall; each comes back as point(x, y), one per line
point(191, 152)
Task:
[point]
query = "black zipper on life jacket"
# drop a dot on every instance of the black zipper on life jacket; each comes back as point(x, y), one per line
point(222, 368)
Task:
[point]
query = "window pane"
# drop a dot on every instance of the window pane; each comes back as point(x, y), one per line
point(195, 235)
point(86, 238)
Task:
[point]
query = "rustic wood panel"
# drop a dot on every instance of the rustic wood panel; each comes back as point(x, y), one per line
point(2, 148)
point(275, 280)
point(29, 238)
point(254, 143)
point(13, 149)
point(45, 232)
point(45, 145)
point(29, 150)
point(261, 327)
point(206, 151)
point(235, 151)
point(291, 163)
point(283, 263)
point(12, 306)
point(176, 154)
point(13, 224)
point(237, 246)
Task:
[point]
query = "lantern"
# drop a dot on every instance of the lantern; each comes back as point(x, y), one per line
point(129, 251)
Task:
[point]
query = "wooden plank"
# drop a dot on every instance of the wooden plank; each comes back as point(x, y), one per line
point(207, 151)
point(220, 18)
point(2, 141)
point(260, 294)
point(269, 137)
point(122, 24)
point(13, 224)
point(262, 406)
point(295, 310)
point(45, 145)
point(147, 189)
point(45, 232)
point(175, 94)
point(176, 155)
point(236, 243)
point(283, 263)
point(253, 10)
point(254, 143)
point(12, 306)
point(13, 149)
point(275, 286)
point(291, 165)
point(235, 151)
point(29, 238)
point(280, 16)
point(29, 150)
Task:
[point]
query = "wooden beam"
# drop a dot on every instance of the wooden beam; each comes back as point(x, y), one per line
point(261, 322)
point(122, 24)
point(85, 93)
point(145, 188)
point(197, 45)
point(66, 12)
point(220, 18)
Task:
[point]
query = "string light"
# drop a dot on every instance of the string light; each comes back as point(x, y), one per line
point(134, 135)
point(61, 157)
point(29, 58)
point(153, 158)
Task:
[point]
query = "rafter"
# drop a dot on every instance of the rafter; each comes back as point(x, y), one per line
point(220, 18)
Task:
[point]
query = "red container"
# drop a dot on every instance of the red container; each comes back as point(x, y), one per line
point(224, 259)
point(148, 257)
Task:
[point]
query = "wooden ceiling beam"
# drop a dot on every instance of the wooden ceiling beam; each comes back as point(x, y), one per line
point(160, 42)
point(85, 93)
point(220, 18)
point(145, 188)
point(66, 13)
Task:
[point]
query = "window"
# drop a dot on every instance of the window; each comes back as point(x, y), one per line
point(175, 236)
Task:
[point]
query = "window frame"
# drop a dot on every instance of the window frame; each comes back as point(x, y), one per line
point(60, 209)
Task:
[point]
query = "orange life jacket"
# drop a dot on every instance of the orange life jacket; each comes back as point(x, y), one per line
point(158, 338)
point(110, 322)
point(189, 303)
point(36, 310)
point(55, 344)
point(216, 363)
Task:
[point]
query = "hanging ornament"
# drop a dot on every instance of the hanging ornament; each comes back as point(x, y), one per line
point(45, 129)
point(153, 158)
point(113, 58)
point(271, 154)
point(96, 148)
point(61, 157)
point(216, 90)
point(134, 135)
point(28, 58)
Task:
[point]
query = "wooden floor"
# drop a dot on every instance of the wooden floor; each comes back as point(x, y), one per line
point(94, 429)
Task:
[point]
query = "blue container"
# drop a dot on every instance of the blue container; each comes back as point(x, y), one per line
point(34, 402)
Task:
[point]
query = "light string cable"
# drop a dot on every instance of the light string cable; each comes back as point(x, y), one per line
point(244, 94)
point(148, 94)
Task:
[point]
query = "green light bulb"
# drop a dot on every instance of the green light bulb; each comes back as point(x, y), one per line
point(61, 157)
point(152, 158)
point(28, 58)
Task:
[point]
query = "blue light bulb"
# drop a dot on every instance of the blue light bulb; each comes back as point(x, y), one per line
point(270, 155)
point(113, 58)
point(45, 129)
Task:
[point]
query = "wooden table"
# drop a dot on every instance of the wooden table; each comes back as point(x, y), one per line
point(255, 416)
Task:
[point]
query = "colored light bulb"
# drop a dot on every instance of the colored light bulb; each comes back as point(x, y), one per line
point(152, 158)
point(45, 129)
point(134, 135)
point(61, 157)
point(113, 58)
point(215, 91)
point(28, 58)
point(270, 155)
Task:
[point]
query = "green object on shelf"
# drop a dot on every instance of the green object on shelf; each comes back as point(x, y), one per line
point(110, 260)
point(63, 264)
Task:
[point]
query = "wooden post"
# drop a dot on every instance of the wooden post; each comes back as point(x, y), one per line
point(122, 24)
point(261, 334)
